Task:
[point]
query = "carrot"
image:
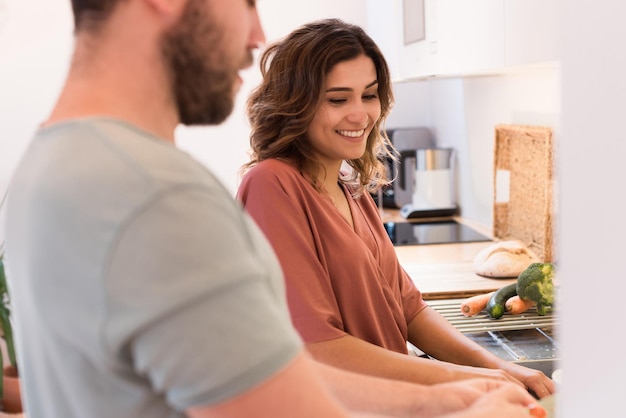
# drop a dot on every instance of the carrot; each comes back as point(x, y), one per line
point(516, 305)
point(471, 306)
point(537, 411)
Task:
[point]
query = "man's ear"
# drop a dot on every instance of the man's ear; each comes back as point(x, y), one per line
point(170, 10)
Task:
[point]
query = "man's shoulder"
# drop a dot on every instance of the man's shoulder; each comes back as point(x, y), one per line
point(89, 125)
point(105, 155)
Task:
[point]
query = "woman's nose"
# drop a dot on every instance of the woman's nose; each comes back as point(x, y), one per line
point(358, 113)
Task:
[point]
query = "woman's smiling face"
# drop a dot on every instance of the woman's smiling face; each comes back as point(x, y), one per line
point(349, 109)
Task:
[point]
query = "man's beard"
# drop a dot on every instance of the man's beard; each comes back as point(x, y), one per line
point(202, 73)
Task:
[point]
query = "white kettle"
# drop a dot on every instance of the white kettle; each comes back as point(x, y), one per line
point(433, 183)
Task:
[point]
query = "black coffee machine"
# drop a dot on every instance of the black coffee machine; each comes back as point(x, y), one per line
point(405, 141)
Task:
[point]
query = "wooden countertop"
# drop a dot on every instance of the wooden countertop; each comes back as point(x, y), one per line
point(443, 271)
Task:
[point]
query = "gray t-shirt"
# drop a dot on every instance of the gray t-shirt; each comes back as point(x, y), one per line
point(139, 286)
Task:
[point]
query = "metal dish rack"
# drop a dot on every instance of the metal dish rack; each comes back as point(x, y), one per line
point(451, 310)
point(526, 338)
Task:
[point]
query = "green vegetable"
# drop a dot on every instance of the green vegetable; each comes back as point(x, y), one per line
point(535, 284)
point(5, 324)
point(495, 307)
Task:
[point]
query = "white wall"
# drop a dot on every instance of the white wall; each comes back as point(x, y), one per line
point(463, 113)
point(592, 155)
point(35, 47)
point(528, 97)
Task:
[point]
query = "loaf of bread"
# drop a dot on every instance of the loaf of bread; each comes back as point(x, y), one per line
point(504, 259)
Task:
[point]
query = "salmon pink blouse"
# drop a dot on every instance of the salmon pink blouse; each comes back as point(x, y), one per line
point(339, 281)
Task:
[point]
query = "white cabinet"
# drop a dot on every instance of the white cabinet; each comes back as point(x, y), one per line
point(385, 26)
point(419, 58)
point(470, 35)
point(461, 37)
point(465, 37)
point(531, 32)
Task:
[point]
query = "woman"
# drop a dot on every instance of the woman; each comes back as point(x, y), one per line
point(316, 140)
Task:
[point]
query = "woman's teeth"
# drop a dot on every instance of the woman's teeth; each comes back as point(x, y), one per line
point(352, 134)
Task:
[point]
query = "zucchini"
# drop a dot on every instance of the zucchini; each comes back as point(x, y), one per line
point(495, 306)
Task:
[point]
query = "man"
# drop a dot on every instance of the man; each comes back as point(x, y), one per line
point(140, 288)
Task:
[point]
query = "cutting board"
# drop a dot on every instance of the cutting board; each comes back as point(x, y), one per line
point(523, 206)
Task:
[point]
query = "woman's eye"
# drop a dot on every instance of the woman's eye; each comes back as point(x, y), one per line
point(337, 101)
point(370, 97)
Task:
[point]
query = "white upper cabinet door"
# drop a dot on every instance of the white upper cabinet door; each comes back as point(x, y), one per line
point(460, 36)
point(470, 36)
point(417, 58)
point(531, 32)
point(463, 37)
point(395, 32)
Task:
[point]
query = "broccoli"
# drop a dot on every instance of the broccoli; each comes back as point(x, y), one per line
point(535, 284)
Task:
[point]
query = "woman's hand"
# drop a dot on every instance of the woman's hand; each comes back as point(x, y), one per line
point(534, 380)
point(481, 398)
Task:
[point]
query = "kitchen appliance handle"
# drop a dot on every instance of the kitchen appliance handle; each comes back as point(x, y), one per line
point(401, 171)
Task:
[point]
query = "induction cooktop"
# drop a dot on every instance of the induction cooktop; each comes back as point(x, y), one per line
point(435, 232)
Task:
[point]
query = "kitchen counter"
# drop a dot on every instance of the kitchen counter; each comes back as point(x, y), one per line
point(445, 271)
point(445, 275)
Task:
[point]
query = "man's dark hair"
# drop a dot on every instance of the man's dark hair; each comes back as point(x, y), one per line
point(89, 13)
